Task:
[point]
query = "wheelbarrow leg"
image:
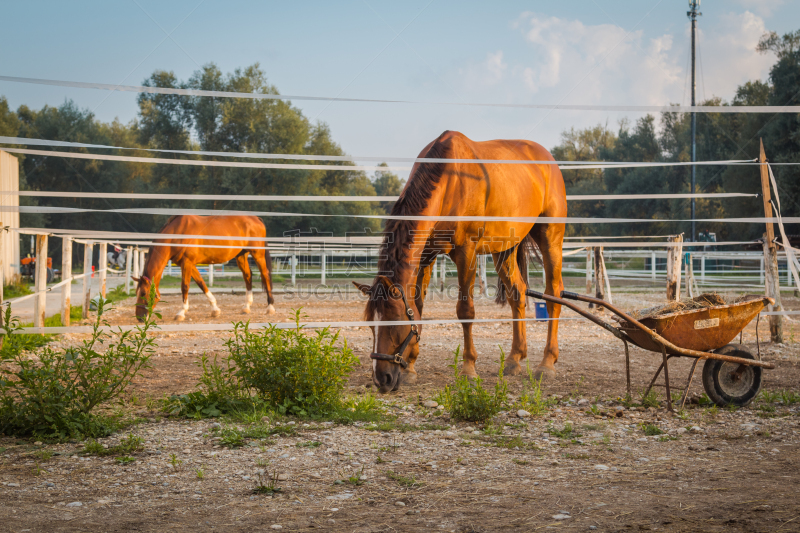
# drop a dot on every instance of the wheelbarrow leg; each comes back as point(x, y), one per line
point(689, 383)
point(628, 368)
point(666, 377)
point(653, 381)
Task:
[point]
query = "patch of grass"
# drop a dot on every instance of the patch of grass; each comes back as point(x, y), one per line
point(666, 438)
point(468, 400)
point(175, 462)
point(127, 446)
point(43, 455)
point(651, 430)
point(591, 427)
point(582, 456)
point(379, 460)
point(511, 443)
point(266, 484)
point(531, 399)
point(125, 460)
point(405, 481)
point(309, 444)
point(566, 433)
point(650, 400)
point(235, 437)
point(16, 288)
point(200, 473)
point(520, 462)
point(56, 394)
point(355, 479)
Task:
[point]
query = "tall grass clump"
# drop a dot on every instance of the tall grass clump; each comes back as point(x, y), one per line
point(55, 394)
point(467, 399)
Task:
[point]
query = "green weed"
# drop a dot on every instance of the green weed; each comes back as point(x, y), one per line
point(651, 430)
point(405, 481)
point(468, 400)
point(125, 460)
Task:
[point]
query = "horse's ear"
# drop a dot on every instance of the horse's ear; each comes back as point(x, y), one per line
point(363, 288)
point(134, 278)
point(391, 288)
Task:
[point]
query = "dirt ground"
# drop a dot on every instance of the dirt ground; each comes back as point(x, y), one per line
point(710, 470)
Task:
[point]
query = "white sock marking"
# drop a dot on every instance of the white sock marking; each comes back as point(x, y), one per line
point(212, 300)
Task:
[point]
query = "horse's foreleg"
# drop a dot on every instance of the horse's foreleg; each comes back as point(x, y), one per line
point(514, 283)
point(244, 266)
point(409, 376)
point(466, 263)
point(266, 284)
point(185, 279)
point(215, 311)
point(549, 238)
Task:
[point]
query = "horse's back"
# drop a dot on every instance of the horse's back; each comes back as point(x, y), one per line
point(225, 226)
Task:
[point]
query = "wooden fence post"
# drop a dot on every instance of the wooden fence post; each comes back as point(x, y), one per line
point(128, 259)
point(599, 274)
point(443, 271)
point(653, 266)
point(322, 269)
point(87, 278)
point(482, 273)
point(689, 276)
point(102, 266)
point(772, 281)
point(210, 275)
point(40, 282)
point(434, 272)
point(589, 254)
point(674, 255)
point(293, 260)
point(66, 273)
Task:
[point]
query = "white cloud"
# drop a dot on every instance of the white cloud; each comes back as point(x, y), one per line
point(591, 63)
point(488, 72)
point(764, 8)
point(729, 57)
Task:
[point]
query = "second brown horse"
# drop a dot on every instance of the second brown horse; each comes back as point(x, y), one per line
point(188, 253)
point(466, 189)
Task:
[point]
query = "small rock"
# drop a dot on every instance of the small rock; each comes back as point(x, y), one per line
point(430, 403)
point(522, 413)
point(561, 517)
point(600, 467)
point(13, 485)
point(583, 401)
point(331, 521)
point(592, 527)
point(37, 443)
point(680, 431)
point(215, 425)
point(283, 477)
point(696, 429)
point(75, 504)
point(276, 526)
point(400, 504)
point(440, 408)
point(775, 450)
point(103, 502)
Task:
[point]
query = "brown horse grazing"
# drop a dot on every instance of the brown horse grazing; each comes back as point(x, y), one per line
point(411, 246)
point(186, 254)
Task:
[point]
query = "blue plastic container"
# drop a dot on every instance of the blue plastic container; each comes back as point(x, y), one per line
point(540, 309)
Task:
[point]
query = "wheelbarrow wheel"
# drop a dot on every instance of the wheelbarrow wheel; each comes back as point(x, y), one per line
point(726, 384)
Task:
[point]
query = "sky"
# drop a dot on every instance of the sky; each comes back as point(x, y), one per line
point(625, 52)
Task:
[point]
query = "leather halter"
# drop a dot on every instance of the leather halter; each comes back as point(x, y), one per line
point(397, 358)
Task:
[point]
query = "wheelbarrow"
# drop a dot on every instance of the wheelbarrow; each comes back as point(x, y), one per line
point(731, 374)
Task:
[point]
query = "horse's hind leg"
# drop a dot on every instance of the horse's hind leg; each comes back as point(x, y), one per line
point(466, 263)
point(514, 283)
point(215, 311)
point(266, 284)
point(549, 238)
point(186, 277)
point(244, 266)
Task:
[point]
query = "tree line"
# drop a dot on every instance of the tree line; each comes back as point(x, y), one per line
point(275, 126)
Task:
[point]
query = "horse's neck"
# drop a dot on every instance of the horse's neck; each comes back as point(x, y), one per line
point(157, 259)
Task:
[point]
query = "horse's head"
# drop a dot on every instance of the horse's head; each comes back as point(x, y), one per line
point(143, 288)
point(391, 343)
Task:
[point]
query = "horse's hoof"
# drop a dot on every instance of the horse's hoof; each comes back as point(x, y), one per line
point(271, 309)
point(246, 311)
point(180, 318)
point(469, 372)
point(216, 312)
point(544, 373)
point(512, 368)
point(408, 378)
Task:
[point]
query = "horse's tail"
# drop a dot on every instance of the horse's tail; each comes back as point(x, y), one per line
point(526, 251)
point(264, 286)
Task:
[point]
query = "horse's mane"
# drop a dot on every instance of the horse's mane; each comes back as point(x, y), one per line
point(399, 233)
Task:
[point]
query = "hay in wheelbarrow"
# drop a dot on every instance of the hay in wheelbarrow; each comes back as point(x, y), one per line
point(710, 299)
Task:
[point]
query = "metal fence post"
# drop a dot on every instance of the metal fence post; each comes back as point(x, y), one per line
point(322, 268)
point(210, 275)
point(293, 261)
point(66, 273)
point(653, 265)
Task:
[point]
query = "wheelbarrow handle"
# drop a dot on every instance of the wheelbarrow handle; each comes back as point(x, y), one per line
point(570, 295)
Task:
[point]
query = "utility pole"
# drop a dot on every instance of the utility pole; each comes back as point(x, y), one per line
point(693, 13)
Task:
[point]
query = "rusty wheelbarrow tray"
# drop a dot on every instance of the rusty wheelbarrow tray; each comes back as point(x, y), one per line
point(731, 375)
